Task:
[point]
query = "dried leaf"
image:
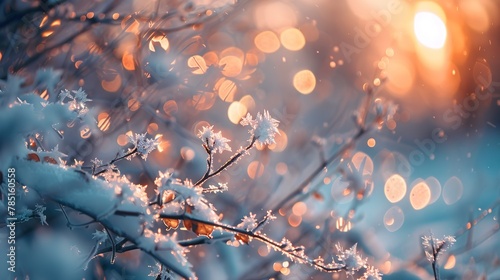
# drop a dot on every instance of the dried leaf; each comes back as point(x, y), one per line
point(168, 196)
point(188, 224)
point(245, 239)
point(203, 229)
point(197, 227)
point(171, 223)
point(33, 157)
point(49, 160)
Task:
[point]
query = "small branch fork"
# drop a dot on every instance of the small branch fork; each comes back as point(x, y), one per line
point(94, 168)
point(234, 158)
point(285, 247)
point(295, 253)
point(435, 254)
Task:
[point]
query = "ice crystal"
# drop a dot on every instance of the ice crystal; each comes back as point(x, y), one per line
point(371, 273)
point(39, 209)
point(434, 246)
point(144, 145)
point(350, 258)
point(248, 223)
point(222, 187)
point(264, 127)
point(214, 141)
point(161, 272)
point(100, 236)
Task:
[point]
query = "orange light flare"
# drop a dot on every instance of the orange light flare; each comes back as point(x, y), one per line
point(436, 40)
point(430, 29)
point(435, 35)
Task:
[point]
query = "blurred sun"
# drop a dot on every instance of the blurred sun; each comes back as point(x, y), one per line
point(430, 30)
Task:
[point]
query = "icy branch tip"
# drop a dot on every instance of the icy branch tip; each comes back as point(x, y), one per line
point(264, 128)
point(214, 141)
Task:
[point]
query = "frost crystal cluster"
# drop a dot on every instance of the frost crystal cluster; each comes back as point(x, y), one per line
point(144, 145)
point(214, 141)
point(434, 247)
point(350, 258)
point(264, 128)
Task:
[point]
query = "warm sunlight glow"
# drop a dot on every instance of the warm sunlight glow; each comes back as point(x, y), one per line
point(267, 42)
point(236, 111)
point(304, 81)
point(255, 169)
point(430, 30)
point(395, 188)
point(420, 196)
point(450, 263)
point(292, 39)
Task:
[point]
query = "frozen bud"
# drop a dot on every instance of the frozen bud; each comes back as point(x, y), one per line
point(350, 258)
point(264, 128)
point(206, 134)
point(214, 141)
point(248, 222)
point(220, 143)
point(144, 145)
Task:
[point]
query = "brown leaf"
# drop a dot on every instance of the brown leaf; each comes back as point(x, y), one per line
point(203, 229)
point(33, 157)
point(188, 224)
point(168, 196)
point(171, 223)
point(197, 227)
point(49, 160)
point(243, 238)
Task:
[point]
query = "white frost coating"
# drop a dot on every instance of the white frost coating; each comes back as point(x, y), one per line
point(264, 127)
point(350, 258)
point(98, 199)
point(248, 222)
point(144, 145)
point(189, 194)
point(371, 274)
point(214, 141)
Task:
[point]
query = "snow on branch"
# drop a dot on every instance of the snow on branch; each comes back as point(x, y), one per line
point(101, 201)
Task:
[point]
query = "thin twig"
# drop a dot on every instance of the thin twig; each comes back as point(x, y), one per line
point(113, 246)
point(70, 224)
point(132, 152)
point(228, 163)
point(292, 253)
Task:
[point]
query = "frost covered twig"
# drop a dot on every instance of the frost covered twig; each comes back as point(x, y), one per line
point(434, 247)
point(263, 130)
point(92, 197)
point(69, 223)
point(228, 163)
point(285, 247)
point(142, 146)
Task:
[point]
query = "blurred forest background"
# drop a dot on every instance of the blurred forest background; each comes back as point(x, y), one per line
point(171, 67)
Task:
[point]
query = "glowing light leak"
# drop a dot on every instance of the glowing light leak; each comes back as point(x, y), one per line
point(430, 30)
